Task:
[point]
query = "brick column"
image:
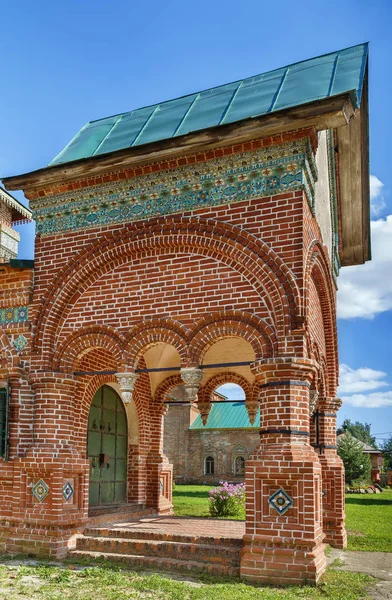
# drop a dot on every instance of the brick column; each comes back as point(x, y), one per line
point(332, 472)
point(283, 543)
point(53, 409)
point(50, 480)
point(159, 470)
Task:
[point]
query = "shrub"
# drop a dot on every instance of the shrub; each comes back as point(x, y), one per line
point(356, 463)
point(227, 500)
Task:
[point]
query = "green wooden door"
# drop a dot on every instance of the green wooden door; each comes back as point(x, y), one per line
point(107, 448)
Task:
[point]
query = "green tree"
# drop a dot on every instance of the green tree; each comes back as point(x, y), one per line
point(356, 463)
point(361, 431)
point(387, 453)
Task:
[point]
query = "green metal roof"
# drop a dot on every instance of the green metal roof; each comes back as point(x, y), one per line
point(294, 85)
point(227, 415)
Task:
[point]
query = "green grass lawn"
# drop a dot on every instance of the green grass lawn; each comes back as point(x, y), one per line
point(369, 521)
point(191, 500)
point(110, 582)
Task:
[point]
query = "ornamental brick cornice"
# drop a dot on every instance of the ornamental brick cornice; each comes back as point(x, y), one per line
point(227, 178)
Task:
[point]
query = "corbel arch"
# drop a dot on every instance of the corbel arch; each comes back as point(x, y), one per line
point(231, 323)
point(82, 341)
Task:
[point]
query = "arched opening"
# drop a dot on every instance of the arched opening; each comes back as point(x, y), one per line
point(209, 465)
point(239, 466)
point(107, 444)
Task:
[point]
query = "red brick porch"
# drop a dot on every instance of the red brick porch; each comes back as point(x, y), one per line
point(167, 543)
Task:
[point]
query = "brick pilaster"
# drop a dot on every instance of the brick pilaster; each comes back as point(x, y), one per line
point(287, 547)
point(159, 470)
point(332, 472)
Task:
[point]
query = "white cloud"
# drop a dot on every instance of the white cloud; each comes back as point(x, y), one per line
point(352, 381)
point(366, 290)
point(374, 400)
point(377, 203)
point(232, 391)
point(363, 379)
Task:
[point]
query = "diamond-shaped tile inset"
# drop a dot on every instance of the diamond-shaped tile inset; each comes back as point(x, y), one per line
point(68, 491)
point(20, 342)
point(280, 501)
point(40, 490)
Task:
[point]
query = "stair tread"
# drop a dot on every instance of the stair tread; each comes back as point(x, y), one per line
point(155, 542)
point(157, 560)
point(161, 536)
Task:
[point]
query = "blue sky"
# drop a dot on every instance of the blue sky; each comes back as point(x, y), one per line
point(65, 63)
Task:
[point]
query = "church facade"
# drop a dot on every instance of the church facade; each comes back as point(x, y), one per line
point(182, 246)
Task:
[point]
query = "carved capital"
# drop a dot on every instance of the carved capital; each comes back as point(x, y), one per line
point(330, 404)
point(191, 377)
point(313, 399)
point(252, 407)
point(126, 381)
point(204, 410)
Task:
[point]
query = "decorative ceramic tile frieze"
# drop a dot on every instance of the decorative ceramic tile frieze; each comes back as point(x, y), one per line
point(40, 490)
point(19, 343)
point(280, 501)
point(68, 491)
point(245, 176)
point(14, 315)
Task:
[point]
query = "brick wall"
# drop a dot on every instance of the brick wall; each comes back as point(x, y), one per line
point(102, 297)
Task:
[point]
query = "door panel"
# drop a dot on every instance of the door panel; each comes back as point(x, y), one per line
point(107, 448)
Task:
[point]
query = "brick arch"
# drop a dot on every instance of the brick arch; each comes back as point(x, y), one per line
point(88, 389)
point(318, 269)
point(256, 261)
point(84, 340)
point(165, 386)
point(231, 323)
point(207, 390)
point(156, 331)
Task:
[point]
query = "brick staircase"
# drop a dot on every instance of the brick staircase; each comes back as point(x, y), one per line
point(160, 550)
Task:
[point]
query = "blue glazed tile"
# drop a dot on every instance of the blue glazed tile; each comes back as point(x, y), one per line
point(280, 501)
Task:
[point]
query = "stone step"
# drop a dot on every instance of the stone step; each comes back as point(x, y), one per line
point(100, 515)
point(141, 534)
point(188, 551)
point(158, 563)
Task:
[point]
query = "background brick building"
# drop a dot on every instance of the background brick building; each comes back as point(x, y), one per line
point(213, 452)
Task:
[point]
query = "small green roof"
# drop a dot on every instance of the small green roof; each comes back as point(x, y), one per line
point(227, 415)
point(300, 83)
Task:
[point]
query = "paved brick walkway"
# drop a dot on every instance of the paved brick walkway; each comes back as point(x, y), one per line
point(184, 526)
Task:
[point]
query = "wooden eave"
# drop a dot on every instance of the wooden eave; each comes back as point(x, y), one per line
point(323, 114)
point(354, 186)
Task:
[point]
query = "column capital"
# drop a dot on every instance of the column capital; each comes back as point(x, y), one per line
point(285, 370)
point(126, 382)
point(330, 404)
point(191, 376)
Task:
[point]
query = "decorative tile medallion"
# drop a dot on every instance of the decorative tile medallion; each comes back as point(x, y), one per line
point(40, 490)
point(14, 315)
point(19, 343)
point(280, 501)
point(246, 176)
point(68, 491)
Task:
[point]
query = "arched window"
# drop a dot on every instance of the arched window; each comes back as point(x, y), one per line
point(239, 465)
point(209, 465)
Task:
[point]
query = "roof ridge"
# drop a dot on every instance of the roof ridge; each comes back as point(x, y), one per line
point(215, 87)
